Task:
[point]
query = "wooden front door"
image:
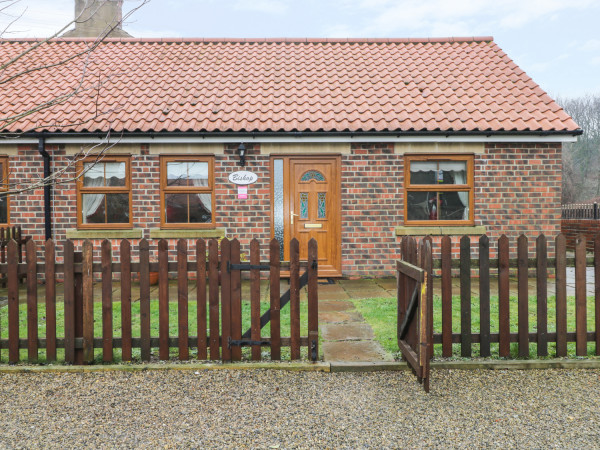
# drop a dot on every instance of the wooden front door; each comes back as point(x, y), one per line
point(312, 209)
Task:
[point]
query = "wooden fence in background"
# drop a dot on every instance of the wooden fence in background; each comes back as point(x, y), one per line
point(486, 268)
point(580, 211)
point(218, 298)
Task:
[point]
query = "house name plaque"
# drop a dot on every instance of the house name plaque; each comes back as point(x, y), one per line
point(242, 177)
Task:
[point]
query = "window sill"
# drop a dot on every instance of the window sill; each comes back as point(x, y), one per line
point(441, 231)
point(157, 233)
point(135, 233)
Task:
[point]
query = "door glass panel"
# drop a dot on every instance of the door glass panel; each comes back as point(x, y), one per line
point(304, 205)
point(322, 205)
point(278, 203)
point(312, 175)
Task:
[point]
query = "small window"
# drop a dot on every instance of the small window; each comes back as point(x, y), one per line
point(187, 192)
point(104, 193)
point(4, 200)
point(438, 189)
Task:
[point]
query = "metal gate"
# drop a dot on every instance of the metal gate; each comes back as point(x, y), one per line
point(415, 307)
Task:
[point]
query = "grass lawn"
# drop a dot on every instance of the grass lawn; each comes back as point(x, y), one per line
point(173, 328)
point(381, 313)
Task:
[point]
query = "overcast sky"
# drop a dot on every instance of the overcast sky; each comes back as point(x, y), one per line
point(557, 42)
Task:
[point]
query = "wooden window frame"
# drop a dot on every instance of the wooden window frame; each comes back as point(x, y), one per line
point(164, 189)
point(4, 186)
point(81, 189)
point(469, 187)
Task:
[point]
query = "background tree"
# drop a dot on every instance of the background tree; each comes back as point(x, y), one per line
point(581, 160)
point(15, 67)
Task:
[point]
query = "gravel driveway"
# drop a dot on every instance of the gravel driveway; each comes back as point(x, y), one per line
point(278, 409)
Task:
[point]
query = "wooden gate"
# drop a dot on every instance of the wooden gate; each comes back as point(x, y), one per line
point(415, 307)
point(231, 301)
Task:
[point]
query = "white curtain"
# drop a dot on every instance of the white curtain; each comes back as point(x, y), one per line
point(460, 178)
point(91, 202)
point(198, 174)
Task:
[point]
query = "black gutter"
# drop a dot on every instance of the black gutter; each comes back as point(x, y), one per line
point(47, 188)
point(298, 134)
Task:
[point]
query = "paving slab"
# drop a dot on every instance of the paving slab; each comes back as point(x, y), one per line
point(353, 331)
point(340, 317)
point(335, 305)
point(354, 351)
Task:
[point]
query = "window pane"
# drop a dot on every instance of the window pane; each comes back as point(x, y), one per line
point(94, 174)
point(177, 174)
point(198, 173)
point(93, 208)
point(200, 208)
point(176, 208)
point(438, 172)
point(421, 206)
point(3, 209)
point(304, 205)
point(454, 206)
point(117, 208)
point(278, 203)
point(322, 209)
point(452, 172)
point(115, 174)
point(438, 206)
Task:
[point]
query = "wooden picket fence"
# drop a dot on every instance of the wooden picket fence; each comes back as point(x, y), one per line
point(482, 269)
point(6, 234)
point(219, 308)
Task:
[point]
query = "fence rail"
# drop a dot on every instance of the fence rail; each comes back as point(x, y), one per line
point(581, 211)
point(218, 301)
point(525, 306)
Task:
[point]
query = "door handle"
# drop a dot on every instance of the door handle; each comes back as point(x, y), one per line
point(292, 217)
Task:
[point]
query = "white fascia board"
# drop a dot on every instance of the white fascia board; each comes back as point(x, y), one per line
point(290, 139)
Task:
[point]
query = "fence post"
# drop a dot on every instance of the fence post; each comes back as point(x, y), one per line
point(313, 301)
point(13, 302)
point(561, 295)
point(125, 300)
point(465, 297)
point(275, 300)
point(50, 260)
point(107, 303)
point(163, 300)
point(484, 296)
point(503, 298)
point(523, 296)
point(446, 297)
point(201, 296)
point(32, 301)
point(144, 250)
point(542, 295)
point(580, 297)
point(225, 299)
point(88, 303)
point(69, 276)
point(236, 300)
point(78, 308)
point(255, 298)
point(182, 300)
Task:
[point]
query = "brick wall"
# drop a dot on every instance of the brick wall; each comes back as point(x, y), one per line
point(574, 227)
point(517, 190)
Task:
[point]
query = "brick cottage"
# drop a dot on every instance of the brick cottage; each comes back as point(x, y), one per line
point(353, 142)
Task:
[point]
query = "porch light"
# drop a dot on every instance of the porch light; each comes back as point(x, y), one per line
point(241, 151)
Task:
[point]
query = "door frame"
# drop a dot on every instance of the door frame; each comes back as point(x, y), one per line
point(337, 191)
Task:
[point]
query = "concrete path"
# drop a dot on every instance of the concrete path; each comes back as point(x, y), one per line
point(346, 335)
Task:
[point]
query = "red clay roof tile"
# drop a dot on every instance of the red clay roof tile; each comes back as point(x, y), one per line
point(286, 84)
